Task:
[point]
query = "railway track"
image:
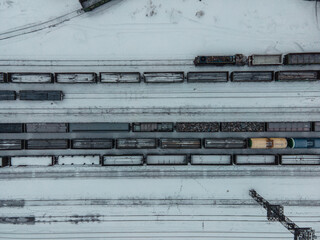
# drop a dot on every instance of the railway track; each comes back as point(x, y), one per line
point(159, 172)
point(40, 26)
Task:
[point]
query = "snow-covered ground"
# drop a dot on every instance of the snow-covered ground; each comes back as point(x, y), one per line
point(160, 29)
point(174, 32)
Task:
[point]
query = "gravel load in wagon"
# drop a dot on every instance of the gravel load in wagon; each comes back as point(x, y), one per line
point(257, 76)
point(99, 127)
point(152, 127)
point(76, 77)
point(46, 127)
point(211, 159)
point(3, 78)
point(7, 95)
point(302, 58)
point(11, 127)
point(297, 76)
point(41, 95)
point(113, 77)
point(11, 144)
point(300, 159)
point(289, 127)
point(92, 143)
point(123, 160)
point(242, 127)
point(47, 144)
point(197, 127)
point(32, 161)
point(30, 77)
point(136, 143)
point(163, 77)
point(262, 60)
point(167, 160)
point(78, 160)
point(221, 143)
point(317, 126)
point(208, 76)
point(255, 159)
point(180, 143)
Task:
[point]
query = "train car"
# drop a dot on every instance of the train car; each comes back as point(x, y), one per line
point(7, 95)
point(167, 160)
point(122, 160)
point(238, 59)
point(255, 160)
point(304, 142)
point(265, 60)
point(4, 161)
point(302, 58)
point(31, 161)
point(316, 127)
point(252, 76)
point(300, 159)
point(99, 127)
point(136, 143)
point(41, 144)
point(3, 78)
point(11, 144)
point(11, 127)
point(89, 5)
point(78, 160)
point(289, 127)
point(297, 76)
point(211, 160)
point(267, 143)
point(197, 126)
point(163, 77)
point(46, 127)
point(76, 77)
point(152, 127)
point(198, 77)
point(242, 127)
point(120, 77)
point(92, 143)
point(180, 143)
point(222, 143)
point(30, 77)
point(31, 95)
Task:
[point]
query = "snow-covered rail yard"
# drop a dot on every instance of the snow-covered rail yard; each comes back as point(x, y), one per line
point(172, 146)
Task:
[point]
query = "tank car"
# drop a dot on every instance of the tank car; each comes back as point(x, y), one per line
point(304, 142)
point(267, 143)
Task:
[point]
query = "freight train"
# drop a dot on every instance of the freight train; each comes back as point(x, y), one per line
point(259, 60)
point(160, 77)
point(139, 160)
point(209, 127)
point(162, 143)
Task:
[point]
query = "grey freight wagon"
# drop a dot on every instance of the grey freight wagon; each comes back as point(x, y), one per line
point(225, 143)
point(208, 77)
point(7, 95)
point(297, 76)
point(98, 143)
point(11, 127)
point(99, 127)
point(252, 76)
point(41, 95)
point(11, 144)
point(47, 144)
point(302, 58)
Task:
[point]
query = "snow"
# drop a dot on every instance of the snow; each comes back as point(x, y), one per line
point(176, 202)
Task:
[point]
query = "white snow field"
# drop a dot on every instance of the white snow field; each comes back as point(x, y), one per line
point(149, 36)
